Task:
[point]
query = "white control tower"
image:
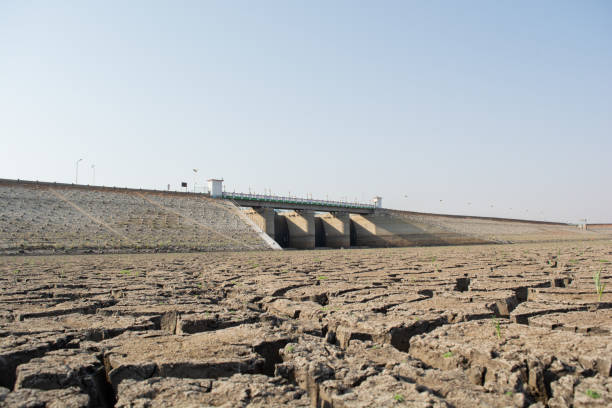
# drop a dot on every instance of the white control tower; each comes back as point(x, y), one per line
point(215, 187)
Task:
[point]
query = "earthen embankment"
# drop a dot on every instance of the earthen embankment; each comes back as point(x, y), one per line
point(59, 218)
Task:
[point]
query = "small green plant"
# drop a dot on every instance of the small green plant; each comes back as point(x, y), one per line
point(398, 397)
point(322, 277)
point(125, 272)
point(497, 327)
point(325, 308)
point(447, 354)
point(289, 348)
point(593, 394)
point(600, 287)
point(509, 393)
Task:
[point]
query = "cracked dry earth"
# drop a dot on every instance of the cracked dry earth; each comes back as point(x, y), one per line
point(486, 326)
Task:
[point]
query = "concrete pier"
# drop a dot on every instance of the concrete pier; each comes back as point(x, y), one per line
point(301, 228)
point(336, 229)
point(264, 218)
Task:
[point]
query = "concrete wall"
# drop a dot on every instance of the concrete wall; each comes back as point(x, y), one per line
point(319, 232)
point(334, 229)
point(281, 231)
point(264, 218)
point(393, 228)
point(301, 228)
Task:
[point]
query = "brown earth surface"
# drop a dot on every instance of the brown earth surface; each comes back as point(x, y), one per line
point(489, 326)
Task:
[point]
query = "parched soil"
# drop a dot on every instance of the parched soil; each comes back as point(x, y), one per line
point(477, 326)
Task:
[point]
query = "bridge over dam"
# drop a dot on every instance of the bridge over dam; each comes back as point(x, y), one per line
point(49, 218)
point(304, 223)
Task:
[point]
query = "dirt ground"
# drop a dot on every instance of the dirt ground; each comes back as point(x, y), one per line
point(489, 326)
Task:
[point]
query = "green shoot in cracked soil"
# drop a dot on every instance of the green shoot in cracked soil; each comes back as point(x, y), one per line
point(497, 327)
point(593, 394)
point(598, 285)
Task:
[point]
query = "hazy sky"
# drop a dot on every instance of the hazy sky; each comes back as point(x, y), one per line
point(499, 108)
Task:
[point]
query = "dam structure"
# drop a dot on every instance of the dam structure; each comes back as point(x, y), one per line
point(306, 223)
point(62, 218)
point(299, 222)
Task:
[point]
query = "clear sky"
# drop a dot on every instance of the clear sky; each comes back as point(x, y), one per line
point(496, 108)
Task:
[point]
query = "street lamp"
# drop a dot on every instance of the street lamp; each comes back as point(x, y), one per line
point(195, 179)
point(93, 169)
point(76, 177)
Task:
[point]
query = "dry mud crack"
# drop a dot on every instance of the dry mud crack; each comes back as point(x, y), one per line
point(488, 326)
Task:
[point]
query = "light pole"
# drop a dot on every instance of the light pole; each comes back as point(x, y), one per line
point(195, 174)
point(76, 177)
point(93, 169)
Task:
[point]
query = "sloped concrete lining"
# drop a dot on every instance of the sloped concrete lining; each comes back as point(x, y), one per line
point(264, 218)
point(301, 226)
point(394, 228)
point(385, 229)
point(336, 229)
point(267, 239)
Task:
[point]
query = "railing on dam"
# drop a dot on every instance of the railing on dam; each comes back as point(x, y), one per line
point(293, 201)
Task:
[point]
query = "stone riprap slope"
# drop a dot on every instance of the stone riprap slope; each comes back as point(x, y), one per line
point(42, 218)
point(474, 326)
point(490, 230)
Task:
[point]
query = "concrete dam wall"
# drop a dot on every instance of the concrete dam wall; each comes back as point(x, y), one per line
point(393, 228)
point(62, 218)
